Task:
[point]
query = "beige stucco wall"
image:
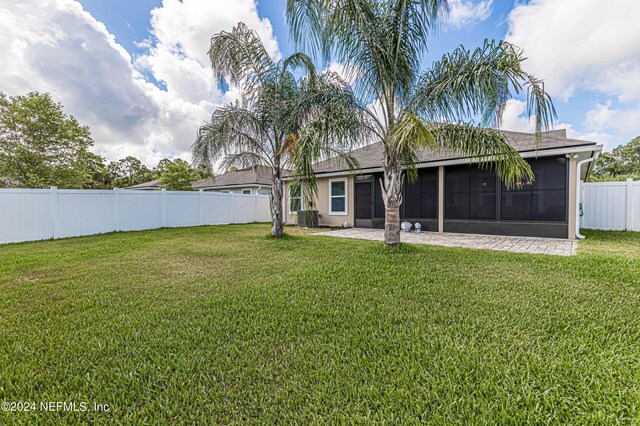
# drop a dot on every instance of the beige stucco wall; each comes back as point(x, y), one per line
point(325, 218)
point(238, 190)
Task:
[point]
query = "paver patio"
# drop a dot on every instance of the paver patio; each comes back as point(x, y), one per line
point(532, 245)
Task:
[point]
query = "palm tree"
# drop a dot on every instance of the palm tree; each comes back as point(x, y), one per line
point(277, 116)
point(381, 44)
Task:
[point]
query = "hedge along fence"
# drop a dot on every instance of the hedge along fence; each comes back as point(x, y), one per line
point(39, 214)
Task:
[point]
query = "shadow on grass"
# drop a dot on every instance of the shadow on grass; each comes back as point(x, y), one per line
point(285, 237)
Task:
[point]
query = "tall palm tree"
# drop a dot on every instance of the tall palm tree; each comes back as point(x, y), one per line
point(277, 116)
point(381, 43)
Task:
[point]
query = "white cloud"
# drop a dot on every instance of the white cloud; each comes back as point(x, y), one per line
point(466, 12)
point(181, 33)
point(514, 118)
point(600, 116)
point(581, 44)
point(56, 46)
point(585, 45)
point(346, 72)
point(603, 117)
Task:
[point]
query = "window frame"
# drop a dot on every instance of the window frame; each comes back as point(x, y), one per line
point(246, 193)
point(346, 197)
point(533, 190)
point(289, 199)
point(429, 192)
point(470, 192)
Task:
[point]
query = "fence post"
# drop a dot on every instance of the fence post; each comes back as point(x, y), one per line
point(629, 215)
point(164, 207)
point(116, 208)
point(255, 206)
point(201, 193)
point(231, 215)
point(53, 202)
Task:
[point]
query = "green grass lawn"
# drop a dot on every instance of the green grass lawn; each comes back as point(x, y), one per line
point(225, 325)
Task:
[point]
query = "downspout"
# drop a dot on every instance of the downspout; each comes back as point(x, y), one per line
point(578, 195)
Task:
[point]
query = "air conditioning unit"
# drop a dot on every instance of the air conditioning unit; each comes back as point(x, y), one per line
point(308, 218)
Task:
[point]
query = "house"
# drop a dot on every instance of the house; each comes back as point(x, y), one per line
point(148, 186)
point(452, 194)
point(256, 180)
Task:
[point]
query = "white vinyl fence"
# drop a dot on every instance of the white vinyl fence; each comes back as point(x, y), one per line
point(611, 205)
point(38, 214)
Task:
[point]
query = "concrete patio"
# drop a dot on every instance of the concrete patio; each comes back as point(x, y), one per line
point(531, 245)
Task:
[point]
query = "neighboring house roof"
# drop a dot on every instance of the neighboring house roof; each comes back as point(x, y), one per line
point(255, 176)
point(372, 156)
point(154, 184)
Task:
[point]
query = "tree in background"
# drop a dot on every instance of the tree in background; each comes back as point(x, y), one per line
point(161, 167)
point(178, 175)
point(129, 171)
point(203, 171)
point(199, 171)
point(41, 146)
point(100, 178)
point(622, 163)
point(381, 44)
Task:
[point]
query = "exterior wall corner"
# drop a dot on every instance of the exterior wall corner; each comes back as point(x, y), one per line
point(572, 205)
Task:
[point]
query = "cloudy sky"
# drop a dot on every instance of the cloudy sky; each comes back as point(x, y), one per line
point(137, 73)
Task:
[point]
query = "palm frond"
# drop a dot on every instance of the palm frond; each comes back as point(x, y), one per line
point(329, 122)
point(302, 175)
point(240, 57)
point(467, 84)
point(233, 130)
point(409, 137)
point(298, 60)
point(244, 160)
point(487, 147)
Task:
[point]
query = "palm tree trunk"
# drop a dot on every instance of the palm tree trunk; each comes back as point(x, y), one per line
point(392, 185)
point(392, 224)
point(392, 197)
point(275, 202)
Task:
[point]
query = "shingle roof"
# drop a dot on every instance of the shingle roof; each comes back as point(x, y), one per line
point(154, 184)
point(371, 156)
point(259, 175)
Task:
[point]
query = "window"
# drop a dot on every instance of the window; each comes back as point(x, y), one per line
point(421, 197)
point(246, 191)
point(378, 202)
point(295, 199)
point(338, 197)
point(363, 200)
point(544, 199)
point(470, 193)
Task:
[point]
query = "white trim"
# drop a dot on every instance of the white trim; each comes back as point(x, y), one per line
point(288, 200)
point(239, 185)
point(346, 197)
